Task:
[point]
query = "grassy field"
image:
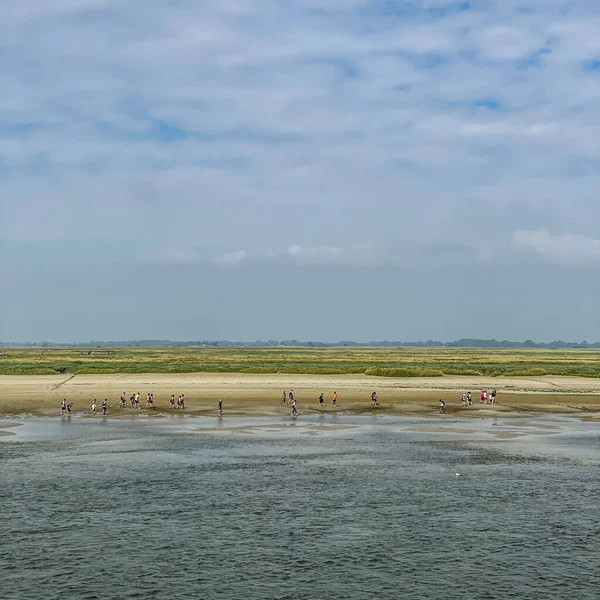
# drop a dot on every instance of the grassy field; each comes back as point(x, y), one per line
point(386, 362)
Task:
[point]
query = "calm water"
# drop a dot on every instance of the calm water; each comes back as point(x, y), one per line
point(176, 509)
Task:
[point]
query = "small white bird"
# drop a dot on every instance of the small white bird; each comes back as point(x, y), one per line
point(457, 474)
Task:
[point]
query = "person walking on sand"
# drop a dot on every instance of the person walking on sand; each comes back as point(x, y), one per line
point(321, 400)
point(63, 407)
point(93, 407)
point(374, 399)
point(442, 406)
point(122, 400)
point(182, 401)
point(334, 398)
point(132, 401)
point(469, 399)
point(69, 408)
point(294, 411)
point(220, 407)
point(172, 401)
point(291, 396)
point(284, 398)
point(104, 405)
point(137, 400)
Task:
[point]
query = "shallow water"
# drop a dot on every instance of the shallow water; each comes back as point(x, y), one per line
point(315, 508)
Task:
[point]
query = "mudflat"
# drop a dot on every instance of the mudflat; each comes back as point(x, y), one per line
point(261, 394)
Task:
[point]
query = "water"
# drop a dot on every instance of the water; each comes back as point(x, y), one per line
point(179, 508)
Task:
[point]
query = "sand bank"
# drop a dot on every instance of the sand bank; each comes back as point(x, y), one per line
point(250, 394)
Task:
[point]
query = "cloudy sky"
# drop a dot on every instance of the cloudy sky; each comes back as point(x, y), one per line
point(325, 170)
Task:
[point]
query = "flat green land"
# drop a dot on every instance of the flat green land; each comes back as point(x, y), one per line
point(382, 362)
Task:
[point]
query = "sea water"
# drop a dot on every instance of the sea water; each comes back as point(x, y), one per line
point(316, 508)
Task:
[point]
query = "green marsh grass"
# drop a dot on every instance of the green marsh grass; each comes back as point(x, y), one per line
point(382, 362)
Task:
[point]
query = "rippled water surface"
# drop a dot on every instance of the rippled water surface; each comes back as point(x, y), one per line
point(259, 509)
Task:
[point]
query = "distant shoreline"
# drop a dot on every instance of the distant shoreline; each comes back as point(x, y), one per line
point(478, 343)
point(260, 394)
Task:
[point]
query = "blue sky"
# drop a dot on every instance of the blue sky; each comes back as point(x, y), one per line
point(281, 151)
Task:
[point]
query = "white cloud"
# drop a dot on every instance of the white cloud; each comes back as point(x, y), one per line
point(508, 43)
point(294, 122)
point(566, 248)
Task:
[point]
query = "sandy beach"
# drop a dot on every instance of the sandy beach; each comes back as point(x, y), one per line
point(246, 394)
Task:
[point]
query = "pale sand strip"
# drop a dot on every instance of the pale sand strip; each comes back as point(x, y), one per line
point(261, 394)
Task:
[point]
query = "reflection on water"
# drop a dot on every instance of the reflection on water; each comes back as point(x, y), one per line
point(260, 508)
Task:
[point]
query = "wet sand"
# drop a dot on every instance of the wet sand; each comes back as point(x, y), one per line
point(258, 395)
point(4, 425)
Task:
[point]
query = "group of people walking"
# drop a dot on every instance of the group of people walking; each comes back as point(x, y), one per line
point(180, 401)
point(488, 399)
point(484, 398)
point(288, 398)
point(134, 401)
point(333, 399)
point(104, 406)
point(66, 408)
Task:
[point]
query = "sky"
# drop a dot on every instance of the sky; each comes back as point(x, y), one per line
point(267, 169)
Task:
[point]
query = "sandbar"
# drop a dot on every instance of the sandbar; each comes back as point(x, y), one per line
point(260, 395)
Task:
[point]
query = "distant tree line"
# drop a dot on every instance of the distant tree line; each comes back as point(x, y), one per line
point(462, 343)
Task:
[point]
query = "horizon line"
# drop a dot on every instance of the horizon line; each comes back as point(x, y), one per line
point(293, 342)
